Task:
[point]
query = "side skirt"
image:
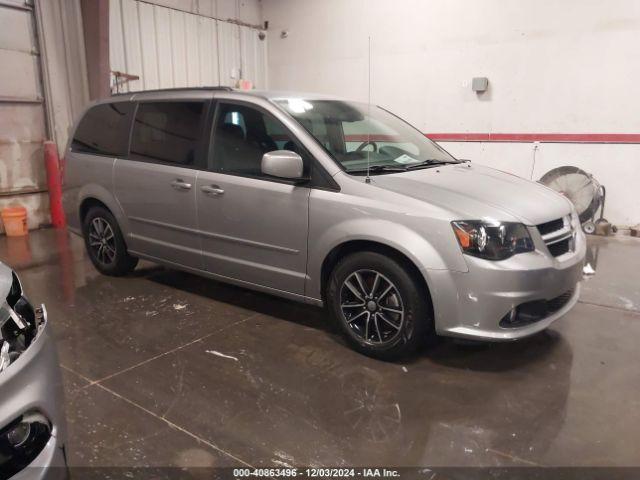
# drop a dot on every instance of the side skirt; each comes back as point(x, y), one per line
point(233, 281)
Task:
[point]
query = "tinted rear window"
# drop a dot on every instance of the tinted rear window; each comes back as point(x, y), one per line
point(167, 132)
point(104, 130)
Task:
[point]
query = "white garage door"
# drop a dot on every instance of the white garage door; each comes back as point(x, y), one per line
point(22, 118)
point(168, 48)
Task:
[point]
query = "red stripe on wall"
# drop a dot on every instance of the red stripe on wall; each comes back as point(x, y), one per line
point(537, 137)
point(502, 137)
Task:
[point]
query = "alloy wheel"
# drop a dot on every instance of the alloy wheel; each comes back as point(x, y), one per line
point(372, 307)
point(102, 241)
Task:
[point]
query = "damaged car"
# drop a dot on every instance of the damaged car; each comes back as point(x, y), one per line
point(32, 422)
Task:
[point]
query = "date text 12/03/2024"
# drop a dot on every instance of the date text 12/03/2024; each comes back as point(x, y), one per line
point(316, 473)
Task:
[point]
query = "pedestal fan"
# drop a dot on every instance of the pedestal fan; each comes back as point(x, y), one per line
point(586, 194)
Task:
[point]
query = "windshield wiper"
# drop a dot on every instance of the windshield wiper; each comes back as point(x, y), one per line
point(379, 168)
point(403, 168)
point(430, 162)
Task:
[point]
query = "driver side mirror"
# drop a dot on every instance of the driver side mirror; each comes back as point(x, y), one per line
point(283, 164)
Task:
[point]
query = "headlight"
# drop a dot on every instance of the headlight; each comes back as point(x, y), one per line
point(492, 240)
point(22, 441)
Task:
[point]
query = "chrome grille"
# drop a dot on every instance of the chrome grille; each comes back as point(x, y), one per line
point(558, 235)
point(550, 227)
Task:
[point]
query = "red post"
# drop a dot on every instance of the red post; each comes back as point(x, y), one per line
point(54, 182)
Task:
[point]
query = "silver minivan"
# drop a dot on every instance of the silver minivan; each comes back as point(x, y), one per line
point(324, 201)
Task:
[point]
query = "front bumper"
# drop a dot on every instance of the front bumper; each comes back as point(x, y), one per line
point(51, 464)
point(472, 304)
point(34, 383)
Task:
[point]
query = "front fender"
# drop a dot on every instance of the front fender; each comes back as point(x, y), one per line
point(414, 245)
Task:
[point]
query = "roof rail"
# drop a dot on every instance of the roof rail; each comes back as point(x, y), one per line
point(179, 89)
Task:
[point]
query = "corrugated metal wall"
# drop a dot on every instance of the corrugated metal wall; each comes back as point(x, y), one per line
point(169, 48)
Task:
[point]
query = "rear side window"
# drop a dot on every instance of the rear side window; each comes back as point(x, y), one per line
point(104, 130)
point(167, 132)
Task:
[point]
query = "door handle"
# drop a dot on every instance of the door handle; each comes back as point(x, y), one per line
point(180, 184)
point(212, 190)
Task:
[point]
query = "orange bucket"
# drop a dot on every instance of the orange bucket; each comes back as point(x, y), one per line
point(15, 221)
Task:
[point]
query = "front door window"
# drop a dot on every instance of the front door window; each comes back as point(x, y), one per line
point(242, 135)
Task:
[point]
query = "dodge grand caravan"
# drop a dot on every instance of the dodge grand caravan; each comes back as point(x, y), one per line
point(324, 201)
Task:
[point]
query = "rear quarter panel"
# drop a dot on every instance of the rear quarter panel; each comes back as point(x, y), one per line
point(89, 176)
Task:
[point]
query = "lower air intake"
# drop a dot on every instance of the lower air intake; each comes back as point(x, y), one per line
point(531, 312)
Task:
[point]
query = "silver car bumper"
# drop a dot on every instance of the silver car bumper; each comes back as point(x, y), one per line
point(34, 383)
point(472, 304)
point(51, 464)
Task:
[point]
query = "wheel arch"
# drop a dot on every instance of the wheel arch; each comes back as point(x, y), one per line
point(89, 203)
point(97, 195)
point(361, 245)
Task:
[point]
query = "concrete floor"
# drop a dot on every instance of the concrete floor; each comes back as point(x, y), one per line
point(166, 368)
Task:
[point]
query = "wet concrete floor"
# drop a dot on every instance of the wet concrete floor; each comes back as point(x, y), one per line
point(164, 368)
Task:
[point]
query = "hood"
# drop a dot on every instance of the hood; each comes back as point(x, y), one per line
point(475, 193)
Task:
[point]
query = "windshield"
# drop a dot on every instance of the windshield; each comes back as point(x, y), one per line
point(355, 134)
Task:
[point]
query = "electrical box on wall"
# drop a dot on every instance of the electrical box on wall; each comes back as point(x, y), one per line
point(480, 84)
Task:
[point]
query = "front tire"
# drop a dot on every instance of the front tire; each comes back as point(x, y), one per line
point(381, 307)
point(105, 243)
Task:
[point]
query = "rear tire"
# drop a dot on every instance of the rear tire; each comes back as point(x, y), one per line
point(105, 243)
point(382, 309)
